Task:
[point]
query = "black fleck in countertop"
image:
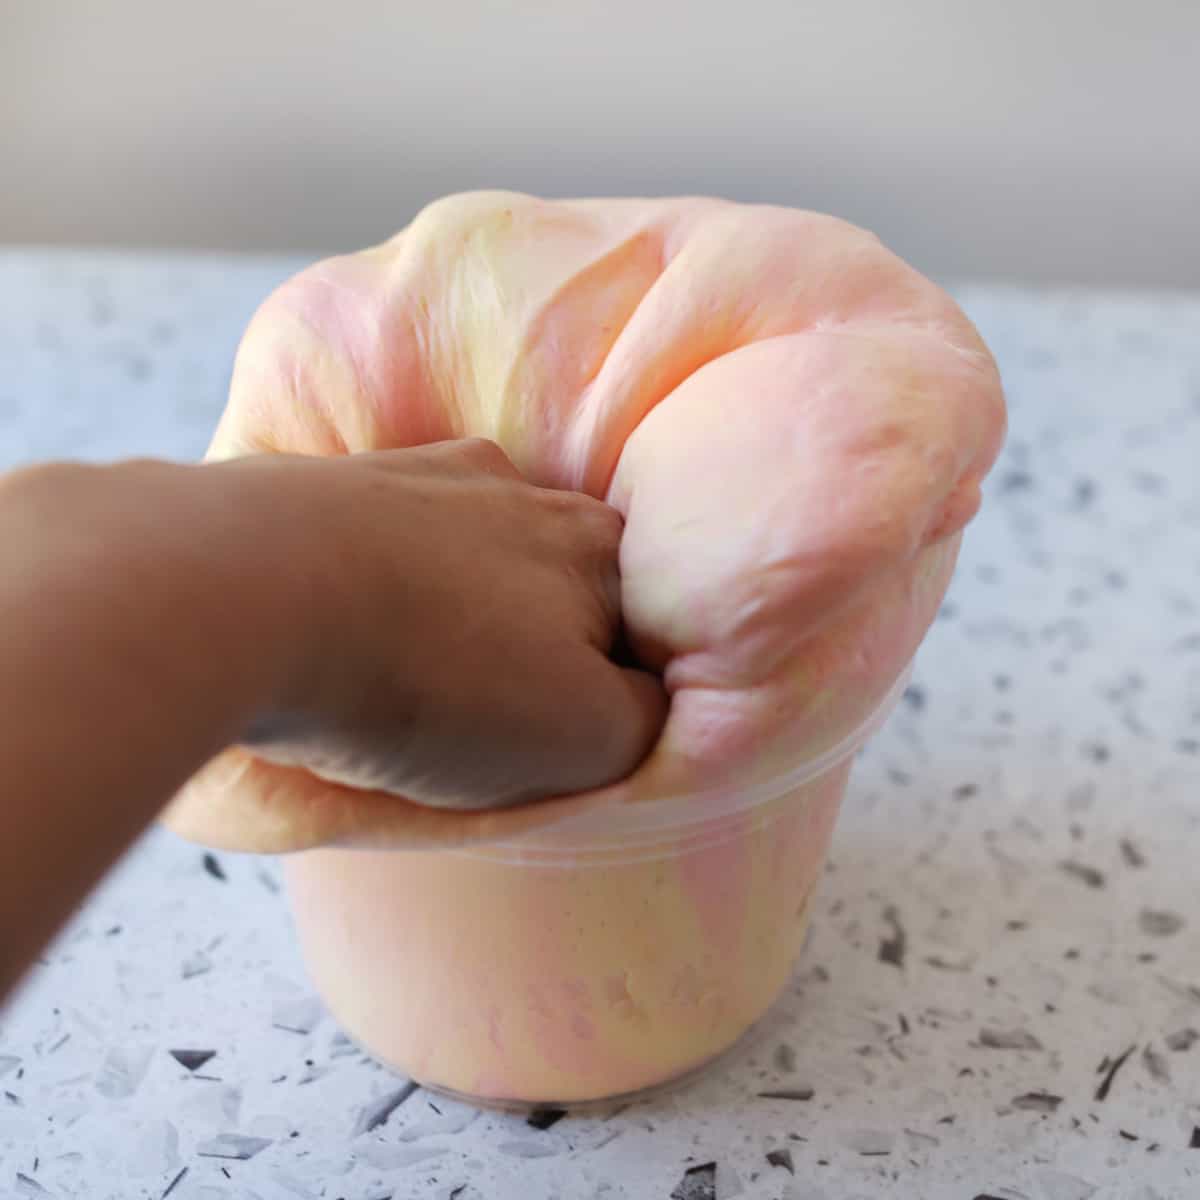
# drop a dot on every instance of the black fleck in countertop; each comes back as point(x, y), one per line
point(1001, 995)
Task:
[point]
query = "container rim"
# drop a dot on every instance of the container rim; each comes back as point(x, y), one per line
point(703, 816)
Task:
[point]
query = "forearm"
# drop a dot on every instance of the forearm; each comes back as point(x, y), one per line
point(135, 642)
point(351, 618)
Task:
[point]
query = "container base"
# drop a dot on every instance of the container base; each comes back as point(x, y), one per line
point(686, 1078)
point(652, 1091)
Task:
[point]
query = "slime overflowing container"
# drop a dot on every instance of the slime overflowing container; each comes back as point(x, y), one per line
point(605, 955)
point(793, 424)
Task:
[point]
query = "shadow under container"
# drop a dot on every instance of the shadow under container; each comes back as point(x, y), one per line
point(604, 956)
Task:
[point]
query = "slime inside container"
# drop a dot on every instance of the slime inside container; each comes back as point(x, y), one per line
point(556, 981)
point(607, 955)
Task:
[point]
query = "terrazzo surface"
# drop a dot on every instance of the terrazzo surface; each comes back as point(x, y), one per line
point(1001, 994)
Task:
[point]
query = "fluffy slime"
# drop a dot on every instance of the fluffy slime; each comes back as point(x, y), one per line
point(795, 425)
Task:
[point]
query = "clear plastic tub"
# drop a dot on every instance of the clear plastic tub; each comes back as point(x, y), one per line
point(606, 955)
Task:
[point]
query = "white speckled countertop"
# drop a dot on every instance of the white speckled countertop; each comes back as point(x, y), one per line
point(1022, 836)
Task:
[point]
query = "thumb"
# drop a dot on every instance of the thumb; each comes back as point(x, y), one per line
point(615, 717)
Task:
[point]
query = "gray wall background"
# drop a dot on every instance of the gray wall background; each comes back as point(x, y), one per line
point(1051, 141)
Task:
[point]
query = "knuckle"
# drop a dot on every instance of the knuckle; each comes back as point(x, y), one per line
point(608, 525)
point(484, 451)
point(592, 527)
point(598, 515)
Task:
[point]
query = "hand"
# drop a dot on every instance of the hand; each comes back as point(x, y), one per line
point(460, 655)
point(420, 621)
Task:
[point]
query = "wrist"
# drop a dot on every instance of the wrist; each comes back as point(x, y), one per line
point(174, 570)
point(279, 562)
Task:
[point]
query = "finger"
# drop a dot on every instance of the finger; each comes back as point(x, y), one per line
point(592, 536)
point(647, 709)
point(604, 722)
point(603, 627)
point(448, 457)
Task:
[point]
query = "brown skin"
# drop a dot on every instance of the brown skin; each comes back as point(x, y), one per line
point(417, 621)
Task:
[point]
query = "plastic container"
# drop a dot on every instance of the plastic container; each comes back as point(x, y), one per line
point(603, 956)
